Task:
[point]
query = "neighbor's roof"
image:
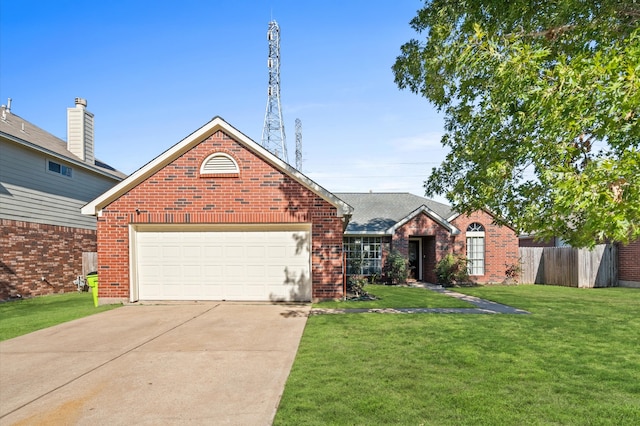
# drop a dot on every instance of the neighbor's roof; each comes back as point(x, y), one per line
point(382, 212)
point(19, 130)
point(213, 126)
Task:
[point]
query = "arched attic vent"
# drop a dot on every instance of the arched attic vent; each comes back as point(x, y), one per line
point(219, 163)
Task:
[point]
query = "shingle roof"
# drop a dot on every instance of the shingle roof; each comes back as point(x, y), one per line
point(29, 134)
point(376, 212)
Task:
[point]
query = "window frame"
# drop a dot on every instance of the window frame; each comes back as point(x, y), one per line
point(63, 170)
point(476, 249)
point(369, 250)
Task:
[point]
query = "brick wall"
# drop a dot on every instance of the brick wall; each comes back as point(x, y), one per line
point(501, 246)
point(434, 247)
point(259, 194)
point(629, 263)
point(31, 251)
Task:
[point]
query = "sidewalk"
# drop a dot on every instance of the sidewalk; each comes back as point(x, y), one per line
point(482, 306)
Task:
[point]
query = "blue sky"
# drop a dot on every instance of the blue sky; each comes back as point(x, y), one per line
point(155, 71)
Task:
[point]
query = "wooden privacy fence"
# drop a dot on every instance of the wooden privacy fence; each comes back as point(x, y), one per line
point(89, 262)
point(571, 267)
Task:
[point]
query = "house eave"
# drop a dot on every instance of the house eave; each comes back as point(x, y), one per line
point(74, 161)
point(361, 233)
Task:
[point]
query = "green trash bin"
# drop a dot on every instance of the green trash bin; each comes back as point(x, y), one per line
point(92, 281)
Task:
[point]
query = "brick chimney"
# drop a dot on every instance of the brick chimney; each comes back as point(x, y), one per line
point(80, 131)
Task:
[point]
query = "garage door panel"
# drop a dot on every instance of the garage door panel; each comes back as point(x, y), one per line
point(234, 252)
point(254, 251)
point(277, 252)
point(219, 265)
point(256, 271)
point(192, 273)
point(212, 252)
point(211, 273)
point(191, 252)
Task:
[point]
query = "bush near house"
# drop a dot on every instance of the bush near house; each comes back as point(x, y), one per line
point(396, 268)
point(452, 269)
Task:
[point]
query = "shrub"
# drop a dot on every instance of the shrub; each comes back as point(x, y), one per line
point(512, 272)
point(396, 268)
point(452, 269)
point(355, 285)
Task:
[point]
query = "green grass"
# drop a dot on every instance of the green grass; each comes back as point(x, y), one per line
point(24, 316)
point(398, 297)
point(574, 361)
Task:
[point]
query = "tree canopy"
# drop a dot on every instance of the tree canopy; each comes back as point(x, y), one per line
point(541, 101)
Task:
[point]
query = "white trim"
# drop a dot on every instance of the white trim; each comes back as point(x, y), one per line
point(471, 237)
point(220, 227)
point(433, 215)
point(192, 140)
point(475, 233)
point(133, 265)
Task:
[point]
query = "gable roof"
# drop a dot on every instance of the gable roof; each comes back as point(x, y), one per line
point(213, 126)
point(433, 215)
point(18, 130)
point(382, 213)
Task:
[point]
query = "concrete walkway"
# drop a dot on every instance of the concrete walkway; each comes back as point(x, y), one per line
point(482, 306)
point(184, 363)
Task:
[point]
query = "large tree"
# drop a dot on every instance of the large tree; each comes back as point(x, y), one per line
point(541, 101)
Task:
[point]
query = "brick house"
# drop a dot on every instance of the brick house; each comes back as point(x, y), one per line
point(218, 217)
point(44, 181)
point(425, 231)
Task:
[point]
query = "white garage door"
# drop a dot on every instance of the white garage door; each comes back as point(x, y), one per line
point(223, 264)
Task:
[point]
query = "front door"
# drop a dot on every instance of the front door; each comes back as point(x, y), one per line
point(414, 259)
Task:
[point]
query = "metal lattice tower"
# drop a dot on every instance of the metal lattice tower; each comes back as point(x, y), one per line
point(273, 137)
point(298, 144)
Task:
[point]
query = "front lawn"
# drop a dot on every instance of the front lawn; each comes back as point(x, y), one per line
point(398, 297)
point(20, 317)
point(574, 360)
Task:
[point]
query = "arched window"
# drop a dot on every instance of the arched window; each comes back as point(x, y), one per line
point(219, 163)
point(475, 248)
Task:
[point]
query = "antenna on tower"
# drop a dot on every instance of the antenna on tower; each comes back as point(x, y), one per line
point(273, 137)
point(298, 144)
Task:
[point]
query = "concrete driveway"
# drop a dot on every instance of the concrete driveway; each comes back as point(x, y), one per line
point(183, 363)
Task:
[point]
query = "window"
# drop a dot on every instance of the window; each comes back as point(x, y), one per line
point(364, 255)
point(219, 163)
point(475, 249)
point(59, 168)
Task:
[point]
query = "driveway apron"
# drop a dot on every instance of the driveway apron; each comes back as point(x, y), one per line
point(184, 363)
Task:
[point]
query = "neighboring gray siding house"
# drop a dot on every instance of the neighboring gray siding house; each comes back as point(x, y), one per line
point(44, 181)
